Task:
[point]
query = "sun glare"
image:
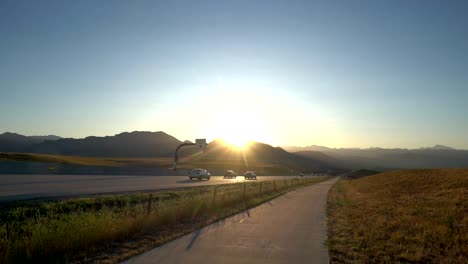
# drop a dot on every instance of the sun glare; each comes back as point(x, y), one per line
point(238, 115)
point(236, 141)
point(238, 128)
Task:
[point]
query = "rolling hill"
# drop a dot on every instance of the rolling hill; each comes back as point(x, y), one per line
point(260, 153)
point(151, 153)
point(389, 159)
point(156, 145)
point(12, 142)
point(134, 144)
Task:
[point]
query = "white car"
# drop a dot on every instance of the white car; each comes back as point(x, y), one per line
point(199, 174)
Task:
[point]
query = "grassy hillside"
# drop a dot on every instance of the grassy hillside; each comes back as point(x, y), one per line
point(56, 159)
point(95, 161)
point(258, 156)
point(184, 163)
point(411, 216)
point(361, 173)
point(147, 153)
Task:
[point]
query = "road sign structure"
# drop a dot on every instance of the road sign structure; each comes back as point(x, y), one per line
point(200, 142)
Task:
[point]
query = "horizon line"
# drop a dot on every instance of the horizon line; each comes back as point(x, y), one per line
point(282, 146)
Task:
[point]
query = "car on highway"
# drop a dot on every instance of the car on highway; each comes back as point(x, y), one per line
point(230, 174)
point(199, 174)
point(250, 175)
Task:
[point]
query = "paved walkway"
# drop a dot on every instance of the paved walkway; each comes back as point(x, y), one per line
point(289, 229)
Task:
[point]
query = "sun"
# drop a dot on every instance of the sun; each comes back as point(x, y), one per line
point(238, 127)
point(239, 141)
point(238, 116)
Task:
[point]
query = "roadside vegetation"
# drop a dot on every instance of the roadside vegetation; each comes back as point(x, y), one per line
point(410, 216)
point(111, 228)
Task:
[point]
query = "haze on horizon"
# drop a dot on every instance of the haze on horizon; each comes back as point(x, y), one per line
point(289, 73)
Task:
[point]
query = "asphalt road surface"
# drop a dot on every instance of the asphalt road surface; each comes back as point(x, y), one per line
point(288, 229)
point(24, 186)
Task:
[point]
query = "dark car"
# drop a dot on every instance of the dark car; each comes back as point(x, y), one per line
point(199, 174)
point(230, 174)
point(250, 175)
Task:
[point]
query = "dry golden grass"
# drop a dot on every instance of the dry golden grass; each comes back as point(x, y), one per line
point(57, 159)
point(165, 162)
point(411, 216)
point(87, 161)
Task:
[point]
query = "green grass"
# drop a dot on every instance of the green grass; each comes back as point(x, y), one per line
point(112, 228)
point(412, 216)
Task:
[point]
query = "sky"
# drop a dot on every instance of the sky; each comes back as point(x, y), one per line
point(332, 73)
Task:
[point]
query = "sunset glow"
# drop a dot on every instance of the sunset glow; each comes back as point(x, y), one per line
point(237, 143)
point(294, 73)
point(125, 125)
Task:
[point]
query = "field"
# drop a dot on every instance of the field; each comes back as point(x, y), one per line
point(87, 161)
point(412, 216)
point(55, 161)
point(108, 229)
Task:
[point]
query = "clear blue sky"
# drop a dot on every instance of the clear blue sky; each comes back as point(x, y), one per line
point(333, 73)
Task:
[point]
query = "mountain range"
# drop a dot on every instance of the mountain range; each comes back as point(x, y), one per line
point(141, 144)
point(134, 144)
point(382, 159)
point(12, 142)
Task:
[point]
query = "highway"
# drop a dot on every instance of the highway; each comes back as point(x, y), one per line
point(288, 229)
point(26, 186)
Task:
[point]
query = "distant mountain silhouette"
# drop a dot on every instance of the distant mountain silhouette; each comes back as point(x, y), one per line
point(319, 156)
point(442, 147)
point(134, 144)
point(159, 144)
point(12, 142)
point(385, 159)
point(38, 139)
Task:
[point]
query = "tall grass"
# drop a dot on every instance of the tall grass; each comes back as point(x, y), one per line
point(413, 216)
point(81, 229)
